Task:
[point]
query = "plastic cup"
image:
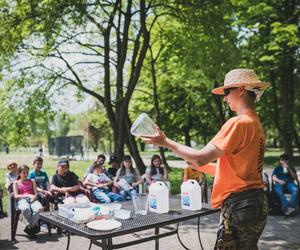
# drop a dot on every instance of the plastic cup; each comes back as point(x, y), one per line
point(143, 126)
point(140, 204)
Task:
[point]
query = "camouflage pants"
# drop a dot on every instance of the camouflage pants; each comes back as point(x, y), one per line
point(244, 215)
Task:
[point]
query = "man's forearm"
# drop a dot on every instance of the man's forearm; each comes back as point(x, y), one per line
point(197, 157)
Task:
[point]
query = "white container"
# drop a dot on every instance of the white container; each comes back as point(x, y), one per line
point(158, 197)
point(191, 195)
point(77, 211)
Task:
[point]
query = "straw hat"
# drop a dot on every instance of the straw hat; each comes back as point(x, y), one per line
point(241, 78)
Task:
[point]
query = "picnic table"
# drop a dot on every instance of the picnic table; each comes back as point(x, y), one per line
point(104, 239)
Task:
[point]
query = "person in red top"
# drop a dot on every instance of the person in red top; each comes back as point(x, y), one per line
point(25, 193)
point(239, 149)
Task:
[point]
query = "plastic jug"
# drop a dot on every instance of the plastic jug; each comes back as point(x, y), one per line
point(158, 197)
point(191, 195)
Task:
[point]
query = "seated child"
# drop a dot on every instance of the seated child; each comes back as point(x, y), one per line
point(25, 193)
point(42, 182)
point(99, 183)
point(11, 176)
point(156, 172)
point(127, 179)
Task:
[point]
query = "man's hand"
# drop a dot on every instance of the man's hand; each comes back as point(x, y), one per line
point(285, 165)
point(159, 139)
point(281, 182)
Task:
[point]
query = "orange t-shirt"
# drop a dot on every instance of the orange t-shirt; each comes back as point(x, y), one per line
point(242, 141)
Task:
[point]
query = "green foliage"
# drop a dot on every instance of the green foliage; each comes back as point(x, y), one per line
point(194, 49)
point(24, 119)
point(270, 44)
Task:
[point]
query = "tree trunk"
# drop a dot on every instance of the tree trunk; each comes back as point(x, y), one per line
point(287, 92)
point(156, 105)
point(132, 147)
point(297, 140)
point(218, 101)
point(187, 137)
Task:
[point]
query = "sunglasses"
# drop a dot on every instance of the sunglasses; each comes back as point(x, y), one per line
point(227, 91)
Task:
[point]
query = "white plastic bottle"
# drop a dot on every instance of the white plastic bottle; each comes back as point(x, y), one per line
point(191, 195)
point(158, 197)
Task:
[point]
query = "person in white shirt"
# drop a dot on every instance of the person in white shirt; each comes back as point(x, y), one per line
point(99, 183)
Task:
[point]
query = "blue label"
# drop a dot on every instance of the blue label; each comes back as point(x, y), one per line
point(153, 203)
point(186, 201)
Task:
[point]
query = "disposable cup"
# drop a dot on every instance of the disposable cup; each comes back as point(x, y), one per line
point(140, 204)
point(143, 126)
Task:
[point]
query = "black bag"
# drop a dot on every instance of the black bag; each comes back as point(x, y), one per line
point(273, 203)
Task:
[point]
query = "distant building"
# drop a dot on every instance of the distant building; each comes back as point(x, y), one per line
point(65, 145)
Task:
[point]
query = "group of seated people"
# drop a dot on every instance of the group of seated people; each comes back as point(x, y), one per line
point(33, 191)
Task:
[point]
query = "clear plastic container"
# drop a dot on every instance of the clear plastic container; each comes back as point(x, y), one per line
point(143, 126)
point(140, 204)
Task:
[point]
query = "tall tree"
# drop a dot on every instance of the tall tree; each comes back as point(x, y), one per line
point(96, 46)
point(270, 38)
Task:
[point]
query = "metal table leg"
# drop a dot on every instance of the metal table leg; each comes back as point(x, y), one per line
point(110, 244)
point(91, 243)
point(68, 244)
point(156, 232)
point(104, 244)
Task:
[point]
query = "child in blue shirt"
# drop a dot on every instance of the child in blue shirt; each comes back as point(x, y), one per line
point(42, 181)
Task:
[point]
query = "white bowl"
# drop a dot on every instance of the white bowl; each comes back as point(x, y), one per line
point(122, 214)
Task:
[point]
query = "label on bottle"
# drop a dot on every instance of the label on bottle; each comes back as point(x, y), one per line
point(186, 200)
point(153, 203)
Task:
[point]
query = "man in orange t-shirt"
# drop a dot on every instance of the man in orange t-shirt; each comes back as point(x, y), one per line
point(239, 149)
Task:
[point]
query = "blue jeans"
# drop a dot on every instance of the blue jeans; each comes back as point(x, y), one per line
point(292, 188)
point(127, 195)
point(106, 196)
